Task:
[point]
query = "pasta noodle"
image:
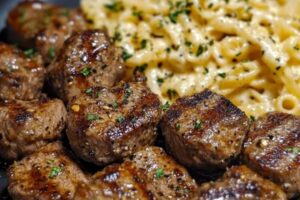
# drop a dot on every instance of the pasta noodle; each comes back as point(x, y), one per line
point(246, 50)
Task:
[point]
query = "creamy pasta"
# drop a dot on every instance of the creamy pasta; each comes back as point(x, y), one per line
point(246, 50)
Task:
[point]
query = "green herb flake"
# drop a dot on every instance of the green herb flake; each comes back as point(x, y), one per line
point(141, 68)
point(115, 6)
point(198, 124)
point(293, 150)
point(159, 173)
point(166, 106)
point(222, 75)
point(172, 93)
point(89, 90)
point(117, 36)
point(126, 55)
point(29, 53)
point(160, 81)
point(296, 48)
point(144, 43)
point(86, 71)
point(55, 171)
point(201, 49)
point(137, 14)
point(115, 105)
point(206, 71)
point(252, 118)
point(177, 126)
point(120, 119)
point(51, 52)
point(92, 117)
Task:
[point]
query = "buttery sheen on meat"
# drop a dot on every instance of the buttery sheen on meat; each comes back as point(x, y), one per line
point(88, 59)
point(204, 131)
point(48, 174)
point(21, 74)
point(27, 125)
point(106, 125)
point(149, 174)
point(240, 183)
point(272, 148)
point(44, 26)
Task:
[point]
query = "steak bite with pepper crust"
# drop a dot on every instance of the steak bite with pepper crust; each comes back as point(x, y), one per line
point(240, 183)
point(204, 131)
point(149, 174)
point(272, 149)
point(88, 59)
point(21, 73)
point(47, 174)
point(106, 125)
point(27, 125)
point(44, 26)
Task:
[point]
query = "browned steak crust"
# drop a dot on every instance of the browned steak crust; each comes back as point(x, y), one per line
point(204, 131)
point(150, 174)
point(240, 183)
point(272, 148)
point(88, 59)
point(105, 125)
point(45, 175)
point(21, 76)
point(27, 125)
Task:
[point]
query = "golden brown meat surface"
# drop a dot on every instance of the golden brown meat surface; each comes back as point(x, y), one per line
point(204, 131)
point(149, 174)
point(272, 149)
point(106, 125)
point(240, 183)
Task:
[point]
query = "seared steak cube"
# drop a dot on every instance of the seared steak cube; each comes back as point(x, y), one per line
point(204, 131)
point(272, 148)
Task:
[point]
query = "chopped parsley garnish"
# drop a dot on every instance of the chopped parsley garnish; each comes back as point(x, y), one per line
point(92, 117)
point(86, 71)
point(201, 49)
point(188, 43)
point(29, 53)
point(144, 43)
point(115, 105)
point(117, 36)
point(120, 119)
point(160, 81)
point(140, 68)
point(198, 124)
point(89, 90)
point(206, 71)
point(126, 55)
point(181, 8)
point(222, 75)
point(252, 118)
point(55, 171)
point(51, 52)
point(115, 6)
point(172, 93)
point(294, 150)
point(177, 126)
point(138, 14)
point(166, 106)
point(128, 92)
point(297, 48)
point(159, 173)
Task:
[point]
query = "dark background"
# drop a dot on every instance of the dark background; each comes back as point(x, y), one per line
point(5, 7)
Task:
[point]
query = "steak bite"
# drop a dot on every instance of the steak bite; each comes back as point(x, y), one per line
point(272, 148)
point(21, 74)
point(45, 25)
point(106, 125)
point(240, 183)
point(150, 174)
point(204, 131)
point(27, 125)
point(87, 59)
point(47, 174)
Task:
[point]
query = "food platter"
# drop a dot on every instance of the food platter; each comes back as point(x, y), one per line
point(170, 99)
